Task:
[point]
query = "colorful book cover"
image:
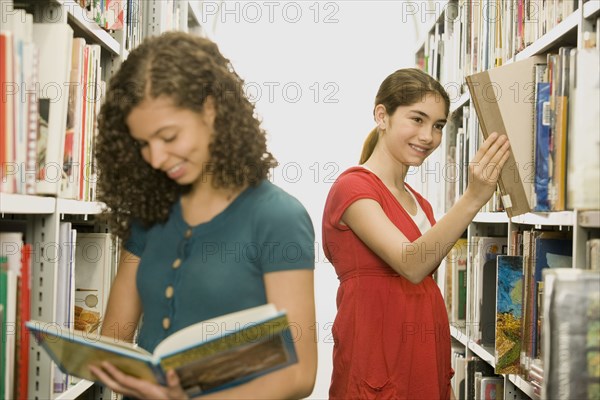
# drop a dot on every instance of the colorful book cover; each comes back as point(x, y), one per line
point(542, 147)
point(208, 356)
point(509, 304)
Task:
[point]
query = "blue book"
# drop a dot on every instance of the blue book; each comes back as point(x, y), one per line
point(550, 250)
point(208, 356)
point(509, 309)
point(542, 147)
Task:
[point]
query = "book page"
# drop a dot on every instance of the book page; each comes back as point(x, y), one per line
point(73, 352)
point(213, 329)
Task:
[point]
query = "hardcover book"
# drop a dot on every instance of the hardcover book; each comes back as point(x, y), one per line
point(208, 356)
point(509, 308)
point(504, 101)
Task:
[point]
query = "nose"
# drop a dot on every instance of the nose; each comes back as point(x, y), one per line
point(156, 154)
point(426, 134)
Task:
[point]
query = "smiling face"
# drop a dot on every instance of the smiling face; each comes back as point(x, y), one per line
point(412, 132)
point(172, 139)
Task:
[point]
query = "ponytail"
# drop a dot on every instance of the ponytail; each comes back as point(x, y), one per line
point(369, 145)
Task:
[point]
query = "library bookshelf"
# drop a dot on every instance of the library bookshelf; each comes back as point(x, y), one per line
point(462, 38)
point(38, 215)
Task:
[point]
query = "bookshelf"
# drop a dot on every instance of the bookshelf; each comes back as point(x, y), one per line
point(40, 216)
point(444, 51)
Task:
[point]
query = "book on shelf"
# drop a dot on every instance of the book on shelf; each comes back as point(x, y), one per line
point(503, 100)
point(571, 337)
point(509, 303)
point(208, 356)
point(583, 144)
point(93, 275)
point(54, 41)
point(491, 387)
point(456, 284)
point(559, 106)
point(486, 250)
point(476, 366)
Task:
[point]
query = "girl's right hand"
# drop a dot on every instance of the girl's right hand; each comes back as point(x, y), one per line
point(484, 170)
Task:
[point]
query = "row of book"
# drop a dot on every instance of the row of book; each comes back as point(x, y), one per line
point(510, 315)
point(477, 35)
point(53, 90)
point(15, 310)
point(85, 263)
point(474, 379)
point(542, 104)
point(461, 147)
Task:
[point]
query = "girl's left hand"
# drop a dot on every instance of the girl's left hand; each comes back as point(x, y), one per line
point(127, 385)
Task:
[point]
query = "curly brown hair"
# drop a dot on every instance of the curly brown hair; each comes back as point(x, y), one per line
point(187, 69)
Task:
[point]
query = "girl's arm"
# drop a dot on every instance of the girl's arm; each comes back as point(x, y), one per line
point(124, 307)
point(291, 291)
point(418, 259)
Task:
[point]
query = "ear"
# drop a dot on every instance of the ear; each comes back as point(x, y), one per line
point(209, 110)
point(381, 116)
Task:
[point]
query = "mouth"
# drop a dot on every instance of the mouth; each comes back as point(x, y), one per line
point(175, 171)
point(422, 150)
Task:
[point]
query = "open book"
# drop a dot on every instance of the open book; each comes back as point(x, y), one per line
point(207, 356)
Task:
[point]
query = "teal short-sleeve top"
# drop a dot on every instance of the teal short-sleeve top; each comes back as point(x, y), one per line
point(189, 274)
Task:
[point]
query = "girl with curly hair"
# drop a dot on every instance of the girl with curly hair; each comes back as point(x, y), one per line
point(391, 333)
point(183, 168)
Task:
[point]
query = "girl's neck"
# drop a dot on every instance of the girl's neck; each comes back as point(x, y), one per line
point(391, 172)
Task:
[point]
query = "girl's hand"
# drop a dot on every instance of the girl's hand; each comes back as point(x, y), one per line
point(485, 168)
point(127, 385)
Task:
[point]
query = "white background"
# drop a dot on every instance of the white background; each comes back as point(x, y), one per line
point(314, 69)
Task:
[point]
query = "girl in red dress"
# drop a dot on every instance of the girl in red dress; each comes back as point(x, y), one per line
point(391, 333)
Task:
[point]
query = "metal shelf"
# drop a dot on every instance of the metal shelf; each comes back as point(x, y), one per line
point(25, 204)
point(558, 218)
point(483, 353)
point(523, 385)
point(591, 9)
point(551, 37)
point(89, 27)
point(75, 391)
point(461, 101)
point(589, 219)
point(75, 207)
point(458, 334)
point(491, 218)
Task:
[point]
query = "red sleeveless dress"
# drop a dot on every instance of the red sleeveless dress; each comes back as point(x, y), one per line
point(391, 337)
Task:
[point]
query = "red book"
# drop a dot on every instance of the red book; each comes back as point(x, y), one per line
point(23, 315)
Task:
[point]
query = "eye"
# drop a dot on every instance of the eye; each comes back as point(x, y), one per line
point(418, 120)
point(170, 138)
point(439, 126)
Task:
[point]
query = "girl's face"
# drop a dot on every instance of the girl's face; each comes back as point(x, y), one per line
point(413, 132)
point(173, 139)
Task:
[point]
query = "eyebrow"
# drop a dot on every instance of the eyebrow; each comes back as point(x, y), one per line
point(158, 131)
point(427, 116)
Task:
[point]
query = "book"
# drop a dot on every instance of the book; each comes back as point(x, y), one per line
point(583, 146)
point(476, 365)
point(208, 356)
point(492, 387)
point(509, 307)
point(93, 276)
point(542, 147)
point(503, 100)
point(571, 334)
point(54, 42)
